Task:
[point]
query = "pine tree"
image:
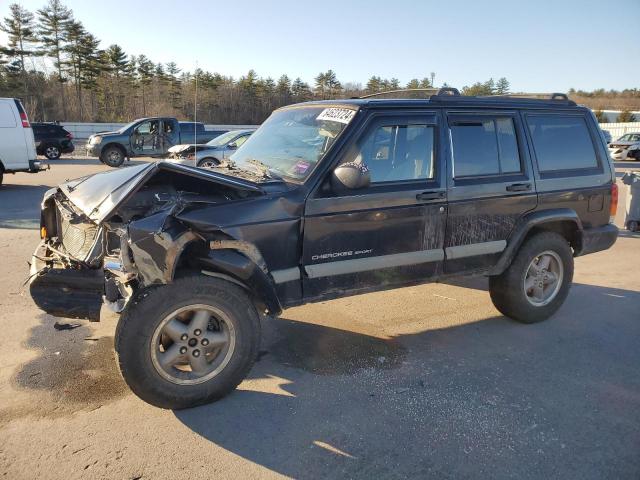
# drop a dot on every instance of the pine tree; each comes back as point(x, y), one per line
point(144, 69)
point(374, 84)
point(425, 83)
point(300, 90)
point(413, 83)
point(321, 84)
point(175, 86)
point(502, 86)
point(54, 19)
point(20, 29)
point(332, 83)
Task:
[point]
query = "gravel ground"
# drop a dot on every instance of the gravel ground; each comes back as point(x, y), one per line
point(427, 381)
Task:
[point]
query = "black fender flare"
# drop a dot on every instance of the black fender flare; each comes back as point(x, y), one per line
point(239, 268)
point(534, 220)
point(158, 243)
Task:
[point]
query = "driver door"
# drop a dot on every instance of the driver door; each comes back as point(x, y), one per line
point(146, 138)
point(388, 234)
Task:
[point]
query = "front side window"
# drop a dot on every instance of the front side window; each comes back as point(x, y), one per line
point(395, 152)
point(484, 146)
point(147, 128)
point(240, 140)
point(561, 142)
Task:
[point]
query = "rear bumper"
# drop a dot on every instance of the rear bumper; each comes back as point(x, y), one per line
point(598, 239)
point(36, 166)
point(65, 292)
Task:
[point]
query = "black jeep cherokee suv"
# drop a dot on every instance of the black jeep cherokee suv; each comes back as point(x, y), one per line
point(326, 199)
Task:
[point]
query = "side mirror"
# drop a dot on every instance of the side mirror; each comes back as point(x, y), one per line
point(232, 146)
point(350, 176)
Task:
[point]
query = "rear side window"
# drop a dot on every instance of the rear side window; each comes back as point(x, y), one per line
point(561, 142)
point(7, 118)
point(484, 146)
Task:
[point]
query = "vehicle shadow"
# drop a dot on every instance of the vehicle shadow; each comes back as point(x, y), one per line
point(74, 370)
point(490, 398)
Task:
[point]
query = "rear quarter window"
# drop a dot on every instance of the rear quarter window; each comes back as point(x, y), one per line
point(562, 142)
point(7, 118)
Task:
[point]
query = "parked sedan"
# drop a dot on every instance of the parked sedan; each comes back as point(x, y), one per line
point(52, 140)
point(626, 147)
point(210, 154)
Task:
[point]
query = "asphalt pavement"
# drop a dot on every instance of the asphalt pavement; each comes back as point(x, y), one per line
point(427, 382)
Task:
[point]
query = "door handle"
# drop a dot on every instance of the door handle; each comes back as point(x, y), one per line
point(519, 187)
point(430, 196)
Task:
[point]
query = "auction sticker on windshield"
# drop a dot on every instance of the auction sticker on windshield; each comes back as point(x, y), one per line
point(342, 115)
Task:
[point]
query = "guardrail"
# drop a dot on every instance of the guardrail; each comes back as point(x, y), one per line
point(618, 129)
point(82, 131)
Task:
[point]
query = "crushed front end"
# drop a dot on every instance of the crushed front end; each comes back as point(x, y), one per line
point(105, 237)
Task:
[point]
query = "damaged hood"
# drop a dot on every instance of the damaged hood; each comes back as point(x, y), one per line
point(98, 195)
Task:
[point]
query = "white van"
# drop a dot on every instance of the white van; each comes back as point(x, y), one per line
point(17, 145)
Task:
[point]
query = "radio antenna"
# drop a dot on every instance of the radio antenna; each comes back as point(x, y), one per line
point(195, 110)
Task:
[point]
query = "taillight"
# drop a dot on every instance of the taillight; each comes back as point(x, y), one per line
point(25, 120)
point(69, 135)
point(23, 114)
point(614, 202)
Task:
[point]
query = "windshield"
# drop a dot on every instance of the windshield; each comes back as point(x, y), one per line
point(223, 139)
point(292, 141)
point(127, 126)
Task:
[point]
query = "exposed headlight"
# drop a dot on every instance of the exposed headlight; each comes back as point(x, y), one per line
point(95, 140)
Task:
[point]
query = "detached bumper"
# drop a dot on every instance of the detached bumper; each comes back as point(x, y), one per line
point(65, 292)
point(597, 239)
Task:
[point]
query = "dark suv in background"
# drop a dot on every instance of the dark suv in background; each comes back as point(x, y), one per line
point(52, 140)
point(325, 200)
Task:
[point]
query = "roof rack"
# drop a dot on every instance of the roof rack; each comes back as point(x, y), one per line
point(401, 90)
point(534, 98)
point(539, 96)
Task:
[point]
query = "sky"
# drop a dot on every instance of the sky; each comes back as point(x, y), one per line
point(539, 46)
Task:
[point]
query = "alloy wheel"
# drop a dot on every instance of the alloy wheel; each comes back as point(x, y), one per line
point(193, 344)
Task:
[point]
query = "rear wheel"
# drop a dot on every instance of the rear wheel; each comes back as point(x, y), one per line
point(632, 226)
point(112, 156)
point(187, 343)
point(538, 280)
point(52, 152)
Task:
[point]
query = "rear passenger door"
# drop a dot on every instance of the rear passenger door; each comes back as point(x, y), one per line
point(490, 186)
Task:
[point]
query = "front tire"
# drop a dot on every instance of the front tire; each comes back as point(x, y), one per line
point(538, 280)
point(112, 156)
point(187, 343)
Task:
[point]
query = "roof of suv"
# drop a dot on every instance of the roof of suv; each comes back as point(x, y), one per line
point(496, 101)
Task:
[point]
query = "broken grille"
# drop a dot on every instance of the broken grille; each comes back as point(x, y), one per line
point(77, 236)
